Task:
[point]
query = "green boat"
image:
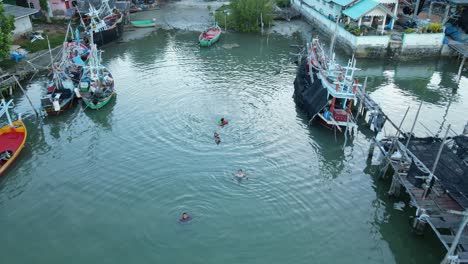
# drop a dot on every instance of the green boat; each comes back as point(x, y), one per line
point(143, 23)
point(97, 84)
point(209, 36)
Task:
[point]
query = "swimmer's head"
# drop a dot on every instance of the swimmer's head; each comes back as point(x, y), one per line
point(222, 119)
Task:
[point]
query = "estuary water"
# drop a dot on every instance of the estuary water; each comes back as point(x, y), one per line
point(108, 186)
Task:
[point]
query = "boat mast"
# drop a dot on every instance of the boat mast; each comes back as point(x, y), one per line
point(332, 43)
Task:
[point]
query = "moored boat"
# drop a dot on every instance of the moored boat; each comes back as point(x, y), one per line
point(97, 83)
point(325, 89)
point(12, 138)
point(105, 24)
point(143, 23)
point(209, 36)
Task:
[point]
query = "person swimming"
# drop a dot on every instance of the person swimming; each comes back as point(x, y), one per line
point(185, 217)
point(240, 174)
point(222, 122)
point(217, 138)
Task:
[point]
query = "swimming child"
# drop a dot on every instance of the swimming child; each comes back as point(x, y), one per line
point(222, 122)
point(185, 217)
point(240, 174)
point(217, 138)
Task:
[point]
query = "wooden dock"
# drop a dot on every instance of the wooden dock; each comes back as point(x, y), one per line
point(462, 50)
point(439, 208)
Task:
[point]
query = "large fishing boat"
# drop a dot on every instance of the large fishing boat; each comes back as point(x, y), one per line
point(325, 89)
point(97, 83)
point(12, 137)
point(105, 24)
point(66, 76)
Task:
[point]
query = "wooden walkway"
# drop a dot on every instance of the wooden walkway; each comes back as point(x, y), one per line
point(439, 209)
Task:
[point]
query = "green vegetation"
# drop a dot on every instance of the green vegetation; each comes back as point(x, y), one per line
point(54, 39)
point(283, 3)
point(245, 15)
point(45, 9)
point(353, 29)
point(410, 30)
point(7, 24)
point(436, 27)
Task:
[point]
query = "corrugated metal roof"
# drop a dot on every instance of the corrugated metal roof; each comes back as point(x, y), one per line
point(19, 11)
point(360, 9)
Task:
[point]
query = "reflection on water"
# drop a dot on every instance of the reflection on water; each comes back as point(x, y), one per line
point(112, 183)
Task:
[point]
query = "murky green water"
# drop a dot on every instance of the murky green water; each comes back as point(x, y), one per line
point(108, 186)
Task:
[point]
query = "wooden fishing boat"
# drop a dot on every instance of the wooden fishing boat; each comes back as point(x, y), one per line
point(12, 138)
point(143, 23)
point(97, 83)
point(209, 36)
point(325, 89)
point(105, 24)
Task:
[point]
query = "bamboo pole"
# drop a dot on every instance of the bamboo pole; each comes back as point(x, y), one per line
point(414, 124)
point(27, 97)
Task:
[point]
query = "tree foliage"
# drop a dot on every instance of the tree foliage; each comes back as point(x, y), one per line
point(45, 9)
point(247, 15)
point(7, 25)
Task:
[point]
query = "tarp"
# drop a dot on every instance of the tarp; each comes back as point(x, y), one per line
point(310, 97)
point(451, 171)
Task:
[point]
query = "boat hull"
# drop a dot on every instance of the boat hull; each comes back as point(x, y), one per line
point(206, 42)
point(88, 101)
point(65, 105)
point(12, 139)
point(106, 36)
point(143, 24)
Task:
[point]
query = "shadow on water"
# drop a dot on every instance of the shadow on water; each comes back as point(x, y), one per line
point(103, 116)
point(329, 143)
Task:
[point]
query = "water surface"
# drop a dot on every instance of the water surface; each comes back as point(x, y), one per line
point(109, 185)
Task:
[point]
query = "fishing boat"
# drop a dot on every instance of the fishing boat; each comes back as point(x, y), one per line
point(325, 89)
point(97, 83)
point(66, 75)
point(209, 36)
point(12, 137)
point(143, 23)
point(105, 24)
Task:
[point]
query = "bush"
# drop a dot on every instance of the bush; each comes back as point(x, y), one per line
point(38, 45)
point(283, 3)
point(246, 14)
point(410, 30)
point(435, 27)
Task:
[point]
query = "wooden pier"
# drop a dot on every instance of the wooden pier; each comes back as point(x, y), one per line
point(462, 50)
point(439, 206)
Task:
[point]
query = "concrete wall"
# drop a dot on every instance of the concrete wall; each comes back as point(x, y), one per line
point(422, 44)
point(323, 7)
point(22, 26)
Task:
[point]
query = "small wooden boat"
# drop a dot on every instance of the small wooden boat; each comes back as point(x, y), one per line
point(12, 138)
point(209, 36)
point(143, 23)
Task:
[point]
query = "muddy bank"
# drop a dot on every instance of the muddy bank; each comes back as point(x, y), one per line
point(195, 16)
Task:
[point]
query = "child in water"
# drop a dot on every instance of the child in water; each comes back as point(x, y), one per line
point(185, 217)
point(222, 122)
point(217, 138)
point(240, 174)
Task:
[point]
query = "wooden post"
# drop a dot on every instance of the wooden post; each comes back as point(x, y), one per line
point(27, 97)
point(451, 251)
point(383, 24)
point(446, 13)
point(431, 176)
point(429, 13)
point(414, 124)
point(359, 22)
point(460, 69)
point(416, 9)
